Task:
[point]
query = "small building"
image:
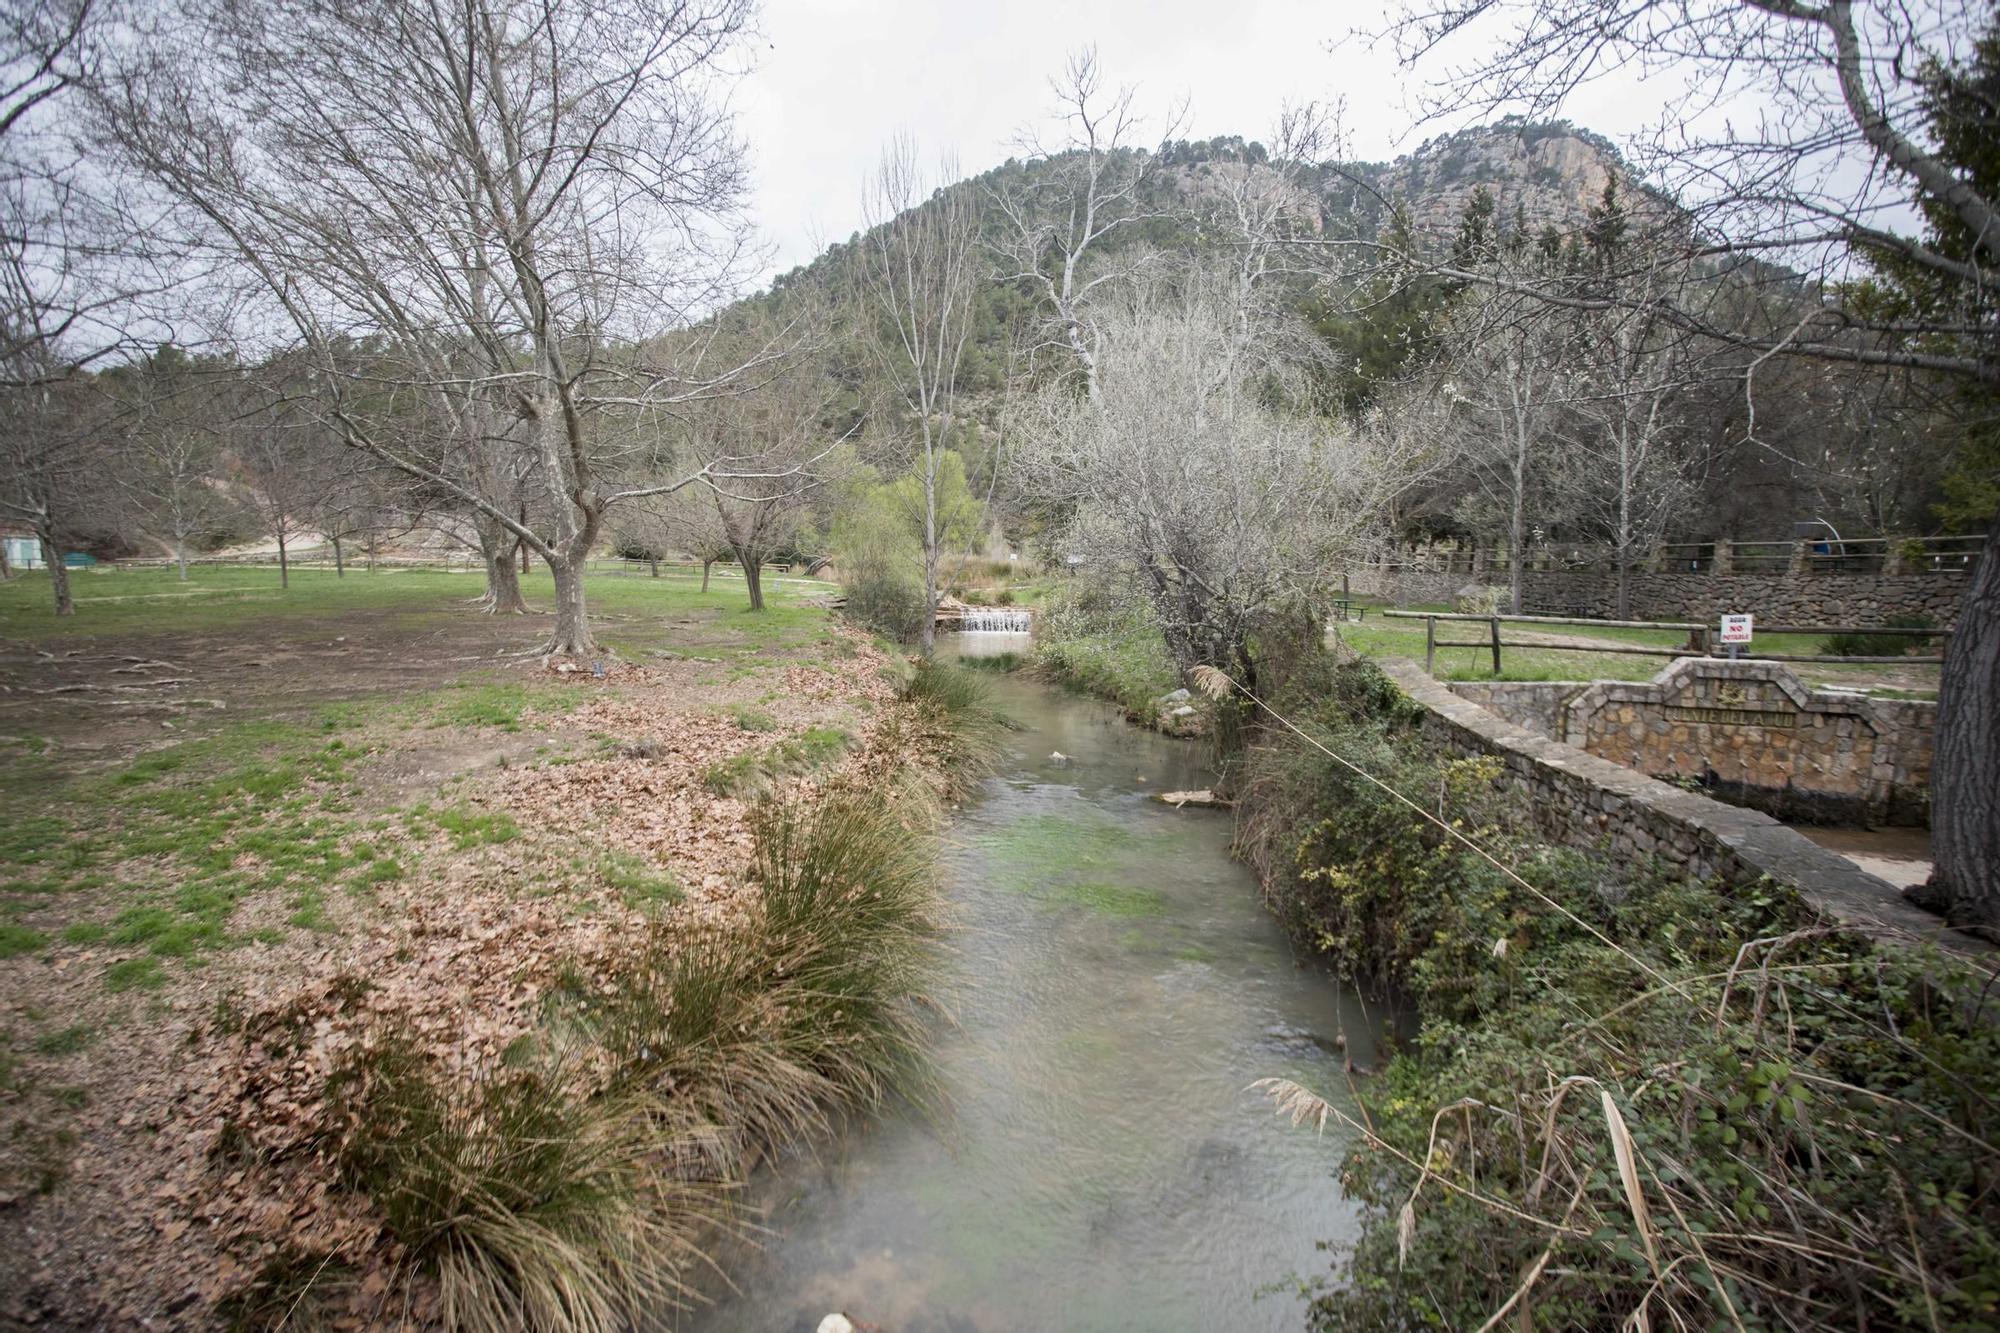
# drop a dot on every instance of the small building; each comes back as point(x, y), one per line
point(24, 551)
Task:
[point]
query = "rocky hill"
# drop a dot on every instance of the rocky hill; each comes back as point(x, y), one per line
point(1538, 174)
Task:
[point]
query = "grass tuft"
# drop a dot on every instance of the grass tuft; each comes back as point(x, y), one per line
point(534, 1197)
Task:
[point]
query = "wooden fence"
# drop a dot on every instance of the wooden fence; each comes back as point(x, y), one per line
point(1700, 638)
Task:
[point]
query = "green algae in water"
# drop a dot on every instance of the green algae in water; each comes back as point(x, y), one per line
point(1078, 860)
point(1110, 899)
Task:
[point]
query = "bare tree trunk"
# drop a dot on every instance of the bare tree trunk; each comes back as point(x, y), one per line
point(655, 563)
point(181, 556)
point(1516, 522)
point(527, 557)
point(6, 569)
point(503, 581)
point(503, 586)
point(753, 577)
point(284, 562)
point(58, 576)
point(572, 635)
point(927, 638)
point(706, 565)
point(1965, 772)
point(339, 563)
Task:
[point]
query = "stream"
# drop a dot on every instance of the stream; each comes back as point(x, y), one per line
point(1114, 985)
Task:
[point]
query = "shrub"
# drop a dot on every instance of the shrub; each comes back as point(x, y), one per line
point(951, 716)
point(1095, 643)
point(1635, 1096)
point(1860, 643)
point(1480, 599)
point(887, 604)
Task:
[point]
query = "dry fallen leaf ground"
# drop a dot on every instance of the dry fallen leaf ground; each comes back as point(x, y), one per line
point(386, 820)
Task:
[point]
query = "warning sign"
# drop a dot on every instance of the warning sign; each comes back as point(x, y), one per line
point(1736, 629)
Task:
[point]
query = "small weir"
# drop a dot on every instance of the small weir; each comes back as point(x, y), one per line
point(986, 620)
point(1096, 1158)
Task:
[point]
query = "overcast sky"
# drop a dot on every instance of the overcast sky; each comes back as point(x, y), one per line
point(835, 79)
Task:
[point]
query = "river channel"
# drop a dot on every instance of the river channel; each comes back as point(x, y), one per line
point(1114, 985)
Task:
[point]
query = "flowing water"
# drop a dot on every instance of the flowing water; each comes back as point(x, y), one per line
point(1115, 985)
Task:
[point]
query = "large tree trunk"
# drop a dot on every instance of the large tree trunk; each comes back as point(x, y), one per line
point(654, 561)
point(1965, 771)
point(572, 634)
point(58, 576)
point(706, 565)
point(503, 581)
point(6, 570)
point(503, 586)
point(181, 557)
point(753, 577)
point(339, 563)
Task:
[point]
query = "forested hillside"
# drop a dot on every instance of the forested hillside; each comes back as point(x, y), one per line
point(1864, 453)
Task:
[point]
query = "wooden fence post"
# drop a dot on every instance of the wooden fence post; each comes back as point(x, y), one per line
point(1496, 645)
point(1430, 644)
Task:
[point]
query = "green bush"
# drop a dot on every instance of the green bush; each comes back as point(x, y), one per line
point(1795, 1110)
point(887, 604)
point(1100, 645)
point(1860, 643)
point(535, 1198)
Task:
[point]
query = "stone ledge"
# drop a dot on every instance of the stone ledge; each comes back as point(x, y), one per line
point(1585, 800)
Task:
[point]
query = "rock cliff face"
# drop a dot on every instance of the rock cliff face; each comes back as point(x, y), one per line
point(1547, 174)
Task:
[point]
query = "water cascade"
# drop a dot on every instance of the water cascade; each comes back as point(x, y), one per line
point(1004, 620)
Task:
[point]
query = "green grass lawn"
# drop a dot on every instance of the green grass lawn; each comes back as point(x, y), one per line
point(1377, 635)
point(111, 600)
point(146, 842)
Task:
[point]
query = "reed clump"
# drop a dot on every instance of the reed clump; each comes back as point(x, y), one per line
point(948, 719)
point(1637, 1100)
point(584, 1183)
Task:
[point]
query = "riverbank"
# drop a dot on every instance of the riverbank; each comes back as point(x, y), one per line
point(294, 985)
point(1634, 1095)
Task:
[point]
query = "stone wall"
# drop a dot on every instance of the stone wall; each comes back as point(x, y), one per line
point(1583, 801)
point(1750, 731)
point(1534, 704)
point(1406, 587)
point(1775, 599)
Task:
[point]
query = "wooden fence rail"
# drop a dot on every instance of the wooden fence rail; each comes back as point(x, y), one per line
point(1698, 645)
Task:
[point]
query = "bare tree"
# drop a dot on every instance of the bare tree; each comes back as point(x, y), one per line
point(54, 469)
point(1861, 103)
point(173, 415)
point(1631, 411)
point(1224, 508)
point(1503, 365)
point(285, 468)
point(918, 272)
point(515, 198)
point(1091, 185)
